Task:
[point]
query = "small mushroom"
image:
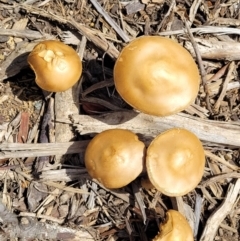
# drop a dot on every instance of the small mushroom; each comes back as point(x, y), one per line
point(175, 162)
point(56, 65)
point(115, 157)
point(156, 76)
point(175, 228)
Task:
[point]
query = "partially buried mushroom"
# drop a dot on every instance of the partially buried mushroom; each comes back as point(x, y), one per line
point(115, 157)
point(156, 76)
point(175, 228)
point(175, 162)
point(56, 65)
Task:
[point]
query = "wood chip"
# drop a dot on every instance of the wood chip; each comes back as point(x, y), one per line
point(23, 128)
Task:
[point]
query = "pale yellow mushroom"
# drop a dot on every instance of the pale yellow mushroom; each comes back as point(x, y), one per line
point(57, 66)
point(175, 162)
point(175, 228)
point(156, 75)
point(115, 157)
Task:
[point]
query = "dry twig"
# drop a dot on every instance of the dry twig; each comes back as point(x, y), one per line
point(201, 67)
point(111, 22)
point(205, 30)
point(224, 88)
point(17, 150)
point(216, 132)
point(218, 216)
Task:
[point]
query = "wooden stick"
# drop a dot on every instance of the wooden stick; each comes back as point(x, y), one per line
point(204, 30)
point(215, 49)
point(19, 150)
point(216, 132)
point(26, 33)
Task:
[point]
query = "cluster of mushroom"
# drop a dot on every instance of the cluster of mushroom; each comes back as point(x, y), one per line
point(174, 161)
point(157, 76)
point(153, 74)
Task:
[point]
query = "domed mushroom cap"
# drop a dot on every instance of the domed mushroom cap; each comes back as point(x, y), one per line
point(56, 65)
point(175, 162)
point(175, 228)
point(115, 157)
point(156, 75)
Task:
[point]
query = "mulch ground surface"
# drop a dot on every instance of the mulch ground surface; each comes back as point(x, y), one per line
point(46, 192)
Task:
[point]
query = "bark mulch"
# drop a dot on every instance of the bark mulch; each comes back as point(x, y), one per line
point(45, 190)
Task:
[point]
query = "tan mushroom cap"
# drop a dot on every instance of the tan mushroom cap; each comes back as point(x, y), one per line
point(175, 228)
point(175, 162)
point(56, 65)
point(156, 75)
point(115, 157)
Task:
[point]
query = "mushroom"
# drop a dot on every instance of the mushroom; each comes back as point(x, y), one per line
point(56, 65)
point(115, 157)
point(156, 76)
point(175, 227)
point(175, 162)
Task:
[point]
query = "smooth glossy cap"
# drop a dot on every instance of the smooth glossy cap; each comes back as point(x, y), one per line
point(175, 162)
point(57, 66)
point(156, 75)
point(115, 157)
point(175, 228)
